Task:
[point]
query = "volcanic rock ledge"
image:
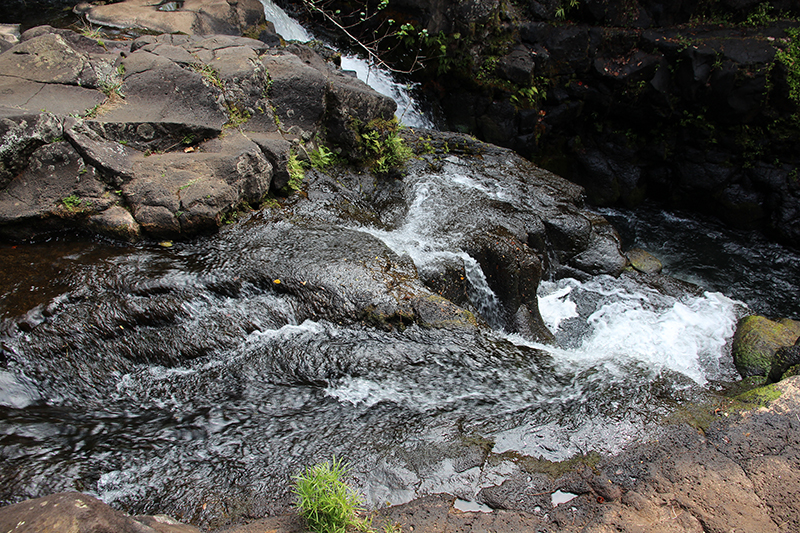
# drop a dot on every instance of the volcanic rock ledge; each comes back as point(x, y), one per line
point(162, 136)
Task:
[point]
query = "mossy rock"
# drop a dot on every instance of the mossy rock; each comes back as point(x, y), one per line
point(433, 311)
point(757, 340)
point(643, 261)
point(785, 363)
point(761, 396)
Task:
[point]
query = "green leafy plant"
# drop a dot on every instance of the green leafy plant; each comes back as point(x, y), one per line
point(384, 148)
point(525, 98)
point(566, 6)
point(325, 501)
point(72, 202)
point(297, 174)
point(321, 158)
point(790, 57)
point(762, 16)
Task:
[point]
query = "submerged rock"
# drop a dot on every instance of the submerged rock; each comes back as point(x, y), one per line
point(643, 261)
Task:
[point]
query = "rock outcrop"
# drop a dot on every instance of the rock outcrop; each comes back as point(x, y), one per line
point(81, 513)
point(190, 17)
point(162, 136)
point(756, 342)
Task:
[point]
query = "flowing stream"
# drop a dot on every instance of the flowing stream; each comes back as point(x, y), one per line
point(176, 380)
point(172, 380)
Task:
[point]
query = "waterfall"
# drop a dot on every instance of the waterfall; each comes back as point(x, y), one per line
point(409, 112)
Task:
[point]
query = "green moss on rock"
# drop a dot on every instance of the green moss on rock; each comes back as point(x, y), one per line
point(756, 341)
point(760, 397)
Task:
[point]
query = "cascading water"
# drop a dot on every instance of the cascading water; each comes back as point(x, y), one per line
point(183, 380)
point(180, 381)
point(408, 110)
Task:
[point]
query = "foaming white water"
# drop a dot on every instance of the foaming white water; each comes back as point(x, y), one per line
point(285, 26)
point(383, 81)
point(380, 79)
point(619, 322)
point(420, 238)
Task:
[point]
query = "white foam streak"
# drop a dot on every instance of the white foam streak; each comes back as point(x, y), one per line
point(556, 307)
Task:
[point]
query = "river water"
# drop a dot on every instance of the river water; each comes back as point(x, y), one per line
point(178, 380)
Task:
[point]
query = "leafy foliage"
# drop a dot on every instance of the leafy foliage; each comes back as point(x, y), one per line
point(790, 57)
point(383, 146)
point(564, 6)
point(296, 169)
point(321, 158)
point(72, 202)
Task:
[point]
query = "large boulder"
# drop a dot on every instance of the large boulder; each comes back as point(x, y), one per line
point(758, 339)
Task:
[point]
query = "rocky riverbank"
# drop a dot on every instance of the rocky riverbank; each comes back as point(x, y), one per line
point(169, 136)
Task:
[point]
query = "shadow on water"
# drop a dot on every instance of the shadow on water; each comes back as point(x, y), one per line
point(741, 264)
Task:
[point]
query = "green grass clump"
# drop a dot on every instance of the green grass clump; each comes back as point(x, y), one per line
point(325, 501)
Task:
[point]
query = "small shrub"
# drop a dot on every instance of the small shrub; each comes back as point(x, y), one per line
point(384, 148)
point(325, 501)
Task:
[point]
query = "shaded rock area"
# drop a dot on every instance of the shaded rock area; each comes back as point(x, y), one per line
point(686, 104)
point(162, 136)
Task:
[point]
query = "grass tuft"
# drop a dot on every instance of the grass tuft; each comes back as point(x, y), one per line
point(325, 501)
